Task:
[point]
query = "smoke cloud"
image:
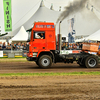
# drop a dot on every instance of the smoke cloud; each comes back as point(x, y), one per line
point(75, 6)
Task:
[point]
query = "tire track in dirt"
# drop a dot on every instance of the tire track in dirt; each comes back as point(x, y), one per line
point(31, 67)
point(52, 88)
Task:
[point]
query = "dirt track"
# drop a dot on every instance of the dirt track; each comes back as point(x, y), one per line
point(31, 67)
point(48, 87)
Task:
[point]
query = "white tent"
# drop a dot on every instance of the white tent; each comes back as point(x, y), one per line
point(95, 36)
point(22, 35)
point(85, 21)
point(80, 40)
point(42, 14)
point(22, 10)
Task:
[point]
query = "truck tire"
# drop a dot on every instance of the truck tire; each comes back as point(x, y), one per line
point(91, 62)
point(45, 61)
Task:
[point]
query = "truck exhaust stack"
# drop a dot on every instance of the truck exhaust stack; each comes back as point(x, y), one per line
point(59, 37)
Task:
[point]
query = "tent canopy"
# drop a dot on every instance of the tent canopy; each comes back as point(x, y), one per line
point(22, 35)
point(86, 22)
point(80, 40)
point(95, 36)
point(83, 25)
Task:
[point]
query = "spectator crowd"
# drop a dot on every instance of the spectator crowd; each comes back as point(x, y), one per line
point(13, 46)
point(22, 46)
point(71, 46)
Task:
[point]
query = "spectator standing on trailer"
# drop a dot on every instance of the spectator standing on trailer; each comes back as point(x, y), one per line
point(66, 46)
point(74, 46)
point(63, 46)
point(77, 46)
point(70, 46)
point(80, 45)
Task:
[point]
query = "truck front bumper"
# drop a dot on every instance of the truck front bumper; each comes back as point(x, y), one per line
point(31, 58)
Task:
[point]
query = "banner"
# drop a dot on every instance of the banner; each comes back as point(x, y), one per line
point(7, 15)
point(1, 53)
point(71, 34)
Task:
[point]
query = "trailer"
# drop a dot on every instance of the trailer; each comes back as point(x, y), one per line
point(42, 48)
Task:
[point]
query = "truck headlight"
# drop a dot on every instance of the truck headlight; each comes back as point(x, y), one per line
point(34, 54)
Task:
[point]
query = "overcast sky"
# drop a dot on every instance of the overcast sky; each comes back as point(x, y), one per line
point(23, 10)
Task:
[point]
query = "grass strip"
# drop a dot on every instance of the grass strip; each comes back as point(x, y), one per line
point(13, 59)
point(50, 74)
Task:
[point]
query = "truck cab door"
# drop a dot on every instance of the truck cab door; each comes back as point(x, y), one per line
point(39, 41)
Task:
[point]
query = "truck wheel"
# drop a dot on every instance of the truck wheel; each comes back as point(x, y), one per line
point(45, 61)
point(91, 62)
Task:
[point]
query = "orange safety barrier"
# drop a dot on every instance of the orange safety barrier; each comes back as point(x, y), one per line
point(90, 47)
point(98, 53)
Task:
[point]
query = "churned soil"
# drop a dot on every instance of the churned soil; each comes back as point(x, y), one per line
point(77, 87)
point(31, 67)
point(82, 87)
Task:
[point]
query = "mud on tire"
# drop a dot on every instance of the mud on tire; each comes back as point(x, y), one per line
point(45, 61)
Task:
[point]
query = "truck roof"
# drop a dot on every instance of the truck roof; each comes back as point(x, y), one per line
point(44, 23)
point(42, 26)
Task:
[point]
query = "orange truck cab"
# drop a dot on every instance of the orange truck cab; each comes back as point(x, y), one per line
point(41, 48)
point(42, 40)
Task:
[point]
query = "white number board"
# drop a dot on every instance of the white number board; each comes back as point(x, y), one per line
point(1, 53)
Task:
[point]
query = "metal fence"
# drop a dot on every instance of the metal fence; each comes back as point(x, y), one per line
point(12, 54)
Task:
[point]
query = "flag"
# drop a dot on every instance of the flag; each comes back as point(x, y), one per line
point(7, 15)
point(71, 34)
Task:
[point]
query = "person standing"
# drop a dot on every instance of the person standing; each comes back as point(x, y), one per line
point(66, 46)
point(4, 46)
point(8, 46)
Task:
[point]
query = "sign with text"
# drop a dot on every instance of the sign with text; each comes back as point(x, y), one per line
point(7, 15)
point(1, 53)
point(65, 51)
point(69, 51)
point(44, 26)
